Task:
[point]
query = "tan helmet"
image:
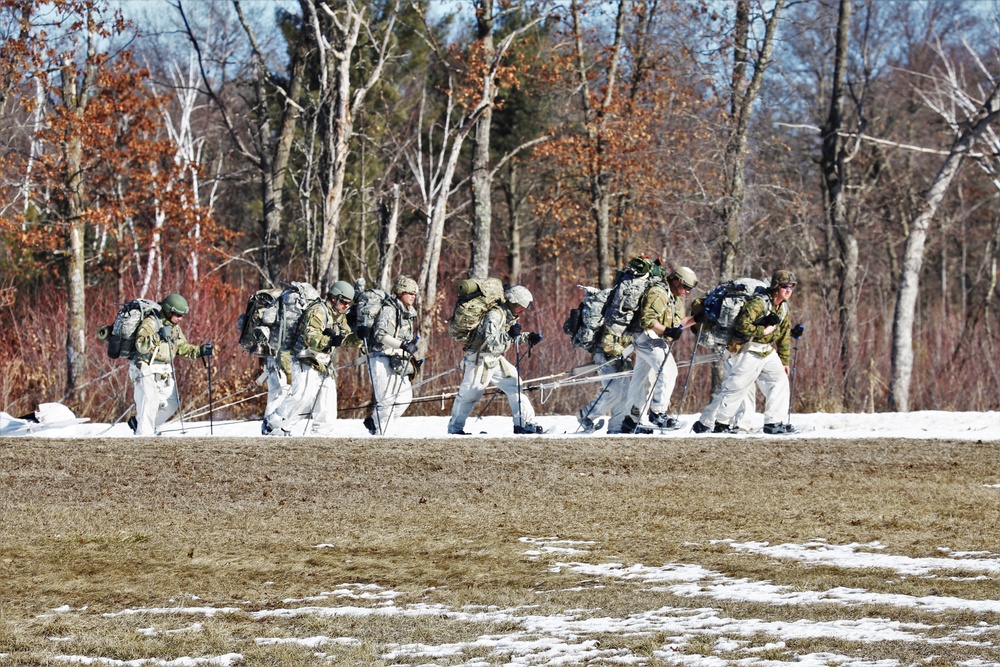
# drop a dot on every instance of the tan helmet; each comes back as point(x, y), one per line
point(783, 277)
point(684, 276)
point(404, 285)
point(518, 295)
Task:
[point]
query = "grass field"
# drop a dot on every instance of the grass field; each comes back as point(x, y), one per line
point(532, 551)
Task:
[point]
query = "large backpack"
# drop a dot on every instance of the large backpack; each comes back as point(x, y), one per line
point(475, 299)
point(586, 320)
point(258, 321)
point(722, 306)
point(294, 300)
point(368, 304)
point(626, 294)
point(121, 342)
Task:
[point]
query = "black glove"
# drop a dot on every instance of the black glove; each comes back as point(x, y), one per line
point(364, 332)
point(534, 339)
point(515, 330)
point(206, 349)
point(797, 331)
point(411, 347)
point(771, 319)
point(166, 331)
point(673, 333)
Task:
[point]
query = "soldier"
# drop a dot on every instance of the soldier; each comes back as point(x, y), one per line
point(484, 363)
point(391, 358)
point(660, 316)
point(157, 342)
point(762, 328)
point(322, 328)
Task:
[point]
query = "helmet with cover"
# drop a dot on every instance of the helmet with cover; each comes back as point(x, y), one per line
point(404, 285)
point(340, 290)
point(783, 277)
point(518, 295)
point(684, 276)
point(174, 304)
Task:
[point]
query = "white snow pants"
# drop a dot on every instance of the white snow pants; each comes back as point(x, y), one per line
point(769, 374)
point(478, 376)
point(649, 383)
point(393, 393)
point(744, 413)
point(311, 392)
point(277, 386)
point(155, 395)
point(612, 399)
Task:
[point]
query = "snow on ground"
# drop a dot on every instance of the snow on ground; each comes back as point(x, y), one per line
point(927, 425)
point(574, 636)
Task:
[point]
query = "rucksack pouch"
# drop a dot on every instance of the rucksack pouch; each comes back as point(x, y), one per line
point(121, 342)
point(476, 298)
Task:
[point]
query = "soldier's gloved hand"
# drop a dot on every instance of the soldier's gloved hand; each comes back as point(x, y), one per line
point(364, 332)
point(769, 320)
point(166, 331)
point(515, 330)
point(335, 337)
point(411, 347)
point(797, 331)
point(673, 333)
point(534, 339)
point(206, 349)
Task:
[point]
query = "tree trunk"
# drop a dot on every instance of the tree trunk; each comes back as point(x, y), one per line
point(913, 255)
point(482, 180)
point(743, 96)
point(388, 223)
point(511, 190)
point(833, 167)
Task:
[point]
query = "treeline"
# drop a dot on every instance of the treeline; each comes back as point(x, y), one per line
point(213, 148)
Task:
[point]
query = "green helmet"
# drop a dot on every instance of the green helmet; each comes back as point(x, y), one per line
point(783, 277)
point(174, 304)
point(340, 289)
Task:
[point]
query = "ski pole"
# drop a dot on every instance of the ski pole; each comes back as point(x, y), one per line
point(206, 358)
point(687, 378)
point(797, 332)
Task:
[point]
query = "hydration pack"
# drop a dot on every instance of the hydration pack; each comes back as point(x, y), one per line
point(722, 306)
point(586, 320)
point(258, 321)
point(475, 299)
point(121, 341)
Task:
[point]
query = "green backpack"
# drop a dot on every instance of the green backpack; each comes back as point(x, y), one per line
point(475, 299)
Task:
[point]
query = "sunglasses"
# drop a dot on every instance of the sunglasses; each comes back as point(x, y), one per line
point(344, 302)
point(787, 286)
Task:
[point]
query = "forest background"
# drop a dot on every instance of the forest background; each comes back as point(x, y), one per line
point(213, 148)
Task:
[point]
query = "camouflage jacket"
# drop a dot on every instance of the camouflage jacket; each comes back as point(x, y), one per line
point(660, 305)
point(312, 346)
point(492, 336)
point(747, 334)
point(613, 345)
point(151, 350)
point(395, 326)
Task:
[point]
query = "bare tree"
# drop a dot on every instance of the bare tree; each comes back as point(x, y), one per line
point(971, 118)
point(336, 29)
point(264, 143)
point(743, 93)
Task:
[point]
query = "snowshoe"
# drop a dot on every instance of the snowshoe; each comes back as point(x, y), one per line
point(528, 429)
point(779, 428)
point(724, 428)
point(133, 423)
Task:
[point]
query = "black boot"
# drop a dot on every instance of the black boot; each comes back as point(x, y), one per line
point(698, 427)
point(724, 428)
point(779, 428)
point(662, 420)
point(133, 423)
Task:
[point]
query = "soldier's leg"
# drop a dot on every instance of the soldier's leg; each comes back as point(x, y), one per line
point(745, 369)
point(773, 383)
point(469, 392)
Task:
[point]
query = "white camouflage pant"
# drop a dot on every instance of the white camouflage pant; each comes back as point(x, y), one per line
point(612, 399)
point(769, 374)
point(744, 413)
point(312, 393)
point(494, 370)
point(155, 395)
point(393, 393)
point(277, 386)
point(654, 376)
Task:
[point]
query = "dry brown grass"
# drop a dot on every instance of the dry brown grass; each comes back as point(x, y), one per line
point(110, 525)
